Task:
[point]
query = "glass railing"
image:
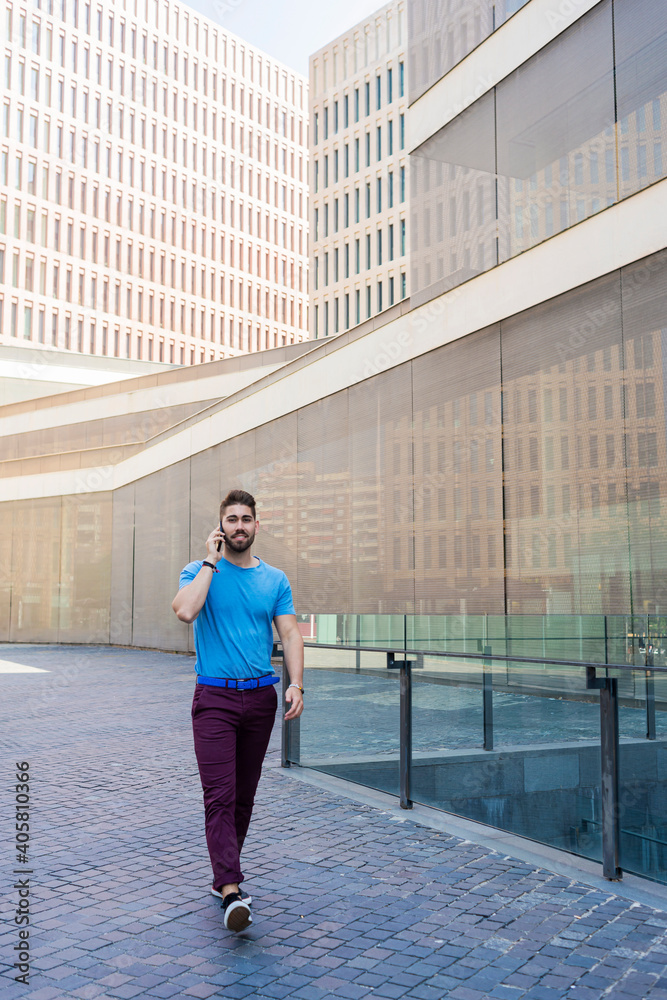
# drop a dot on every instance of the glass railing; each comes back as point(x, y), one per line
point(553, 728)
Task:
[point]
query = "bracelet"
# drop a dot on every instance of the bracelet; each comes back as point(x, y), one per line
point(210, 566)
point(295, 686)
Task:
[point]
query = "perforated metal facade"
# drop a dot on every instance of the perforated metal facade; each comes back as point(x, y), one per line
point(521, 469)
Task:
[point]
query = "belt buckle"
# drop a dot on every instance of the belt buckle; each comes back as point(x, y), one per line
point(244, 685)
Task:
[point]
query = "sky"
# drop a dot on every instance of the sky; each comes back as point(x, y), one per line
point(288, 30)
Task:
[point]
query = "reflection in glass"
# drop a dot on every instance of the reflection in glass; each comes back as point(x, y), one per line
point(545, 149)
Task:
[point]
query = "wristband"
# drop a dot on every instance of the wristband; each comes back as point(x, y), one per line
point(210, 566)
point(295, 686)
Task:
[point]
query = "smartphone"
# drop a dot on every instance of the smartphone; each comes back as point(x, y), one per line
point(223, 534)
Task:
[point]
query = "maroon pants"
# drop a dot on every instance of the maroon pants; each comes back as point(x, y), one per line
point(231, 733)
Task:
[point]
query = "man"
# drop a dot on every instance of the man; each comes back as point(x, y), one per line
point(233, 597)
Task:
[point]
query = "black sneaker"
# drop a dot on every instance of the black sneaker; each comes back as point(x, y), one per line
point(237, 912)
point(246, 897)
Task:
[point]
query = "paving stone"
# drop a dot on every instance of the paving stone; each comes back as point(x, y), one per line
point(123, 909)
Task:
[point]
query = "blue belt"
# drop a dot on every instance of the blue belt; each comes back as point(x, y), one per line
point(243, 685)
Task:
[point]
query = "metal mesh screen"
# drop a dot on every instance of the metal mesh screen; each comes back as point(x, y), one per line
point(205, 496)
point(161, 547)
point(442, 32)
point(382, 484)
point(122, 566)
point(453, 203)
point(323, 506)
point(640, 38)
point(36, 571)
point(564, 404)
point(391, 496)
point(555, 135)
point(85, 577)
point(277, 486)
point(458, 478)
point(580, 125)
point(644, 292)
point(6, 545)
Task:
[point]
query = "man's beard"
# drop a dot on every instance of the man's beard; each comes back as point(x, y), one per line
point(240, 544)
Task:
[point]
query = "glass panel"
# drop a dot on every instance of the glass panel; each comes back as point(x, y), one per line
point(642, 773)
point(363, 698)
point(541, 778)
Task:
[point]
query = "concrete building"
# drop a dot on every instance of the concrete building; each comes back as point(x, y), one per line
point(153, 185)
point(27, 373)
point(359, 173)
point(483, 462)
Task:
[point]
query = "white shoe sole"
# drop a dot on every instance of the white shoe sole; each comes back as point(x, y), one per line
point(237, 916)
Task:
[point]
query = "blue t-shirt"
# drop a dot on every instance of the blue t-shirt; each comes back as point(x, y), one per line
point(233, 633)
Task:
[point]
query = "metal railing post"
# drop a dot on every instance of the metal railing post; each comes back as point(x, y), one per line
point(358, 651)
point(650, 705)
point(609, 798)
point(487, 698)
point(405, 726)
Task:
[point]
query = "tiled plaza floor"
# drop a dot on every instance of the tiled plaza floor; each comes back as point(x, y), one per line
point(347, 902)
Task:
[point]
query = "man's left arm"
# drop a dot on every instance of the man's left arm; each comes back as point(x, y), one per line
point(292, 642)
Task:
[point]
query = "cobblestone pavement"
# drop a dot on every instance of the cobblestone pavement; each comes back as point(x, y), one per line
point(348, 902)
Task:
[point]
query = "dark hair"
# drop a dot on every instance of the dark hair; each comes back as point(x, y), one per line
point(238, 496)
